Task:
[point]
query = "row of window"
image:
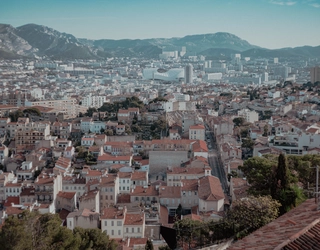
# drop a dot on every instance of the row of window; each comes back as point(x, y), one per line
point(127, 231)
point(107, 197)
point(119, 223)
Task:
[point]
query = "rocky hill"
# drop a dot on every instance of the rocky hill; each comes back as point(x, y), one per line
point(32, 40)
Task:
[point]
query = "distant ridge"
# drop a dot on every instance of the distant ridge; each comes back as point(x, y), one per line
point(32, 40)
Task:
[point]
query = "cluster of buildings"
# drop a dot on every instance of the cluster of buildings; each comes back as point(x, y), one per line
point(63, 161)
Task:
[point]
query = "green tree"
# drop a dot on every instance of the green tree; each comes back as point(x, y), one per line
point(281, 190)
point(238, 121)
point(15, 115)
point(93, 239)
point(90, 111)
point(247, 143)
point(109, 132)
point(189, 232)
point(32, 111)
point(265, 130)
point(258, 171)
point(251, 213)
point(149, 245)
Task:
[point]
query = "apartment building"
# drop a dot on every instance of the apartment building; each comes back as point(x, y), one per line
point(249, 116)
point(68, 106)
point(27, 133)
point(61, 129)
point(197, 132)
point(47, 186)
point(176, 174)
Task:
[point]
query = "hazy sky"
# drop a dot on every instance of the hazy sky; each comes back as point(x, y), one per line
point(266, 23)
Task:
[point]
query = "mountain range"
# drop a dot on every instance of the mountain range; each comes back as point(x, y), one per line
point(32, 40)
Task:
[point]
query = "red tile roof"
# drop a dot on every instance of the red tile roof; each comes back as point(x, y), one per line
point(112, 213)
point(134, 219)
point(66, 195)
point(289, 229)
point(210, 189)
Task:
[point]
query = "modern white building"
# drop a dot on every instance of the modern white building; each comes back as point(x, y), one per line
point(162, 74)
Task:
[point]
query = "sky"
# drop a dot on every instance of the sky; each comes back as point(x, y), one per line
point(266, 23)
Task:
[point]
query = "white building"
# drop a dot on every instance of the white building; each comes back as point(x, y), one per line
point(197, 132)
point(249, 116)
point(95, 101)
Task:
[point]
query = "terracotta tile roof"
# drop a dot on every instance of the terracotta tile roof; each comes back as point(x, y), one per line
point(138, 241)
point(169, 192)
point(112, 213)
point(308, 238)
point(200, 146)
point(186, 171)
point(89, 195)
point(44, 179)
point(108, 157)
point(66, 195)
point(63, 214)
point(196, 127)
point(123, 198)
point(134, 219)
point(142, 175)
point(189, 185)
point(293, 227)
point(108, 181)
point(124, 175)
point(10, 199)
point(85, 212)
point(141, 191)
point(210, 189)
point(14, 210)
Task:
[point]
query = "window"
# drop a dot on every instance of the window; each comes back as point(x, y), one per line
point(119, 232)
point(112, 232)
point(119, 223)
point(132, 230)
point(127, 230)
point(111, 197)
point(106, 197)
point(105, 223)
point(137, 199)
point(112, 223)
point(138, 229)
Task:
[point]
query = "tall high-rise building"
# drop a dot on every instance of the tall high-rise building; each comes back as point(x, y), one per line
point(315, 74)
point(188, 73)
point(275, 60)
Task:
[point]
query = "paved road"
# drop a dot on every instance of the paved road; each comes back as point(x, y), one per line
point(216, 164)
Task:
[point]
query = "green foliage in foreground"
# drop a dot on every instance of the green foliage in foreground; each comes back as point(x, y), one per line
point(286, 178)
point(38, 232)
point(246, 216)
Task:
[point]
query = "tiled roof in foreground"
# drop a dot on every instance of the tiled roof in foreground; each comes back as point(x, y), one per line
point(296, 229)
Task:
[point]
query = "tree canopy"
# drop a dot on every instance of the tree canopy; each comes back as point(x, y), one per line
point(278, 177)
point(130, 102)
point(38, 232)
point(251, 213)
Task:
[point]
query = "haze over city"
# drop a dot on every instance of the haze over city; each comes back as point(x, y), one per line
point(266, 23)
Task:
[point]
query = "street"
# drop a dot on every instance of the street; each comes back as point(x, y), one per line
point(215, 163)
